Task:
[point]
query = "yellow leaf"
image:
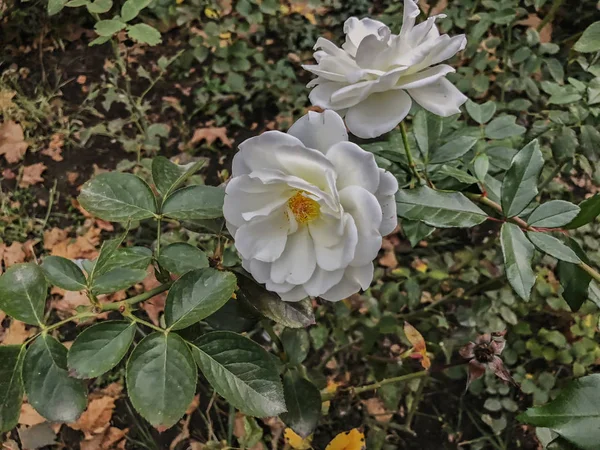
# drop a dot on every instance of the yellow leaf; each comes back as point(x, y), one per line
point(348, 440)
point(418, 343)
point(295, 441)
point(211, 13)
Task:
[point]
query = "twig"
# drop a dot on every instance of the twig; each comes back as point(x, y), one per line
point(411, 162)
point(137, 299)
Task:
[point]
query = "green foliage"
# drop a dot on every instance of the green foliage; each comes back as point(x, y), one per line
point(574, 414)
point(49, 388)
point(11, 385)
point(438, 209)
point(23, 291)
point(100, 348)
point(161, 378)
point(241, 371)
point(303, 401)
point(197, 295)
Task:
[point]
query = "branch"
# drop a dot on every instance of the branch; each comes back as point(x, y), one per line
point(137, 299)
point(486, 201)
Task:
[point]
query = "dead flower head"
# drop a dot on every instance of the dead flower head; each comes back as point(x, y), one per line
point(485, 353)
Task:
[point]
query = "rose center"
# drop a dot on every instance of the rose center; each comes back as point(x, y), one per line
point(304, 208)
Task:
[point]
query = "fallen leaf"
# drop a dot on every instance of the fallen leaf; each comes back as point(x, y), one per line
point(96, 418)
point(376, 408)
point(210, 135)
point(418, 343)
point(54, 149)
point(32, 175)
point(82, 247)
point(12, 142)
point(37, 436)
point(12, 254)
point(29, 416)
point(65, 303)
point(532, 22)
point(295, 441)
point(348, 440)
point(156, 305)
point(17, 334)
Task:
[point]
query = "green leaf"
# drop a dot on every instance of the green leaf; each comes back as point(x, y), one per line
point(102, 264)
point(518, 255)
point(77, 3)
point(180, 258)
point(519, 186)
point(241, 371)
point(452, 150)
point(144, 34)
point(589, 209)
point(589, 41)
point(427, 129)
point(573, 279)
point(131, 8)
point(55, 6)
point(415, 231)
point(161, 378)
point(503, 127)
point(99, 348)
point(50, 389)
point(457, 174)
point(552, 214)
point(236, 315)
point(168, 176)
point(109, 27)
point(481, 113)
point(303, 401)
point(118, 197)
point(296, 344)
point(564, 98)
point(11, 385)
point(195, 202)
point(292, 315)
point(117, 279)
point(196, 295)
point(481, 166)
point(574, 414)
point(63, 273)
point(129, 258)
point(23, 291)
point(438, 208)
point(552, 246)
point(99, 6)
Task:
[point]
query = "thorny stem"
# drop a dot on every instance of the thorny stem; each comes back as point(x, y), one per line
point(133, 318)
point(411, 162)
point(486, 201)
point(379, 384)
point(46, 329)
point(550, 16)
point(137, 299)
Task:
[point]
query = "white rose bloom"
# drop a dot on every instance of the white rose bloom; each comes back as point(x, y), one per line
point(372, 78)
point(308, 209)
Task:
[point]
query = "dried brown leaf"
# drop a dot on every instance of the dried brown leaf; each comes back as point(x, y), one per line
point(12, 142)
point(32, 175)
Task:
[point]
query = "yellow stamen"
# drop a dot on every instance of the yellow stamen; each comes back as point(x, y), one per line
point(304, 208)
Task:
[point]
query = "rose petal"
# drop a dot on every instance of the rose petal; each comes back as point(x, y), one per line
point(320, 130)
point(441, 98)
point(378, 114)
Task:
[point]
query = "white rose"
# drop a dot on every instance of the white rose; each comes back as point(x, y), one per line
point(308, 209)
point(372, 78)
